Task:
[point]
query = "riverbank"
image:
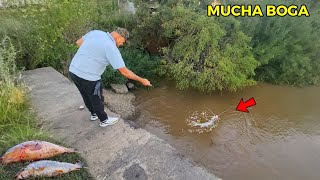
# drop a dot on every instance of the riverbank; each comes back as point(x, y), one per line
point(116, 152)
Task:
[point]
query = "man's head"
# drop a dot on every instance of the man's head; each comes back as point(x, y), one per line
point(120, 35)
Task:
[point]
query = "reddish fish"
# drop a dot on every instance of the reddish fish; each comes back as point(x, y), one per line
point(33, 150)
point(47, 168)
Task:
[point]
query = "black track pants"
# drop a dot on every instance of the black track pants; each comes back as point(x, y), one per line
point(91, 92)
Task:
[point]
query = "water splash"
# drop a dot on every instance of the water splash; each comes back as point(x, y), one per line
point(201, 122)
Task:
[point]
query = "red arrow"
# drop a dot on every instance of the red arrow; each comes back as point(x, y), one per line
point(242, 106)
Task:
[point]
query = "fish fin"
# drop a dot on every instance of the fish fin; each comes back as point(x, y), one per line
point(59, 171)
point(56, 173)
point(40, 169)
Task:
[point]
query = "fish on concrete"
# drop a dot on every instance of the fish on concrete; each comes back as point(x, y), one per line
point(33, 150)
point(46, 168)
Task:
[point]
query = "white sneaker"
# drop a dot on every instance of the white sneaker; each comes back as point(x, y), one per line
point(94, 117)
point(109, 121)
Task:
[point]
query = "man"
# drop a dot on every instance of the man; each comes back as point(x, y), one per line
point(98, 49)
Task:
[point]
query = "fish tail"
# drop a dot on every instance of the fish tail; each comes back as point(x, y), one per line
point(80, 164)
point(18, 175)
point(70, 150)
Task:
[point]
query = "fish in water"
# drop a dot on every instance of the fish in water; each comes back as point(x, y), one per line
point(33, 150)
point(206, 124)
point(46, 168)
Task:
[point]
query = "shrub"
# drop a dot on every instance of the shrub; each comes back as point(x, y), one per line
point(202, 53)
point(140, 62)
point(286, 47)
point(45, 33)
point(8, 68)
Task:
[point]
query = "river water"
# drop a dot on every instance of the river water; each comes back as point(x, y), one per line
point(278, 139)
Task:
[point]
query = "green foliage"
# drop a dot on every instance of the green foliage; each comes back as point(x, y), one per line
point(204, 53)
point(45, 34)
point(140, 62)
point(12, 97)
point(286, 47)
point(8, 68)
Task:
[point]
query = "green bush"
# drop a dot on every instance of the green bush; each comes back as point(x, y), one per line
point(138, 61)
point(286, 47)
point(202, 53)
point(8, 68)
point(45, 34)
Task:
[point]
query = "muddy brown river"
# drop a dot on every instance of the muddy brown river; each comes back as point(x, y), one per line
point(278, 139)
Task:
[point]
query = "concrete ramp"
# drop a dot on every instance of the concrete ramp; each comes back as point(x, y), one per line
point(114, 152)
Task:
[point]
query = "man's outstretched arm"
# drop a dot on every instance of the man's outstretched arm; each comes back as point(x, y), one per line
point(130, 75)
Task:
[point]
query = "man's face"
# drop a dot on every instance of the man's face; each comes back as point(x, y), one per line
point(120, 41)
